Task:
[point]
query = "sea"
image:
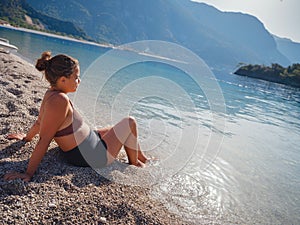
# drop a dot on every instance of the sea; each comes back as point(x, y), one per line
point(228, 147)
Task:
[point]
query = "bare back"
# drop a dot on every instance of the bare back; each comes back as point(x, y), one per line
point(56, 113)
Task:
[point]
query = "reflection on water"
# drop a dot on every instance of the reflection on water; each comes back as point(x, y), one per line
point(203, 198)
point(252, 179)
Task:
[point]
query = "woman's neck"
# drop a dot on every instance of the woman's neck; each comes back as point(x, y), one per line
point(55, 89)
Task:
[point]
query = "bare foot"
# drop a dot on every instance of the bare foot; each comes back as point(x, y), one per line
point(152, 161)
point(138, 164)
point(142, 157)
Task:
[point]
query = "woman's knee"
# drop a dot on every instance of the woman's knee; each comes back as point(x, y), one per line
point(131, 121)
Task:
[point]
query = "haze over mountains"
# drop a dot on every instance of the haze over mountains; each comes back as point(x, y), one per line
point(289, 48)
point(222, 39)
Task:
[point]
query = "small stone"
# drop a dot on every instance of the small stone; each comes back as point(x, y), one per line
point(52, 205)
point(102, 219)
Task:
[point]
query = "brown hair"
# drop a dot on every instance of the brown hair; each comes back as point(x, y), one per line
point(56, 67)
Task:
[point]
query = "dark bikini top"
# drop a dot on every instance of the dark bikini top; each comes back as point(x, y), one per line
point(73, 127)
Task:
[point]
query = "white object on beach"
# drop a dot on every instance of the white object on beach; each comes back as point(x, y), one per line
point(5, 46)
point(102, 219)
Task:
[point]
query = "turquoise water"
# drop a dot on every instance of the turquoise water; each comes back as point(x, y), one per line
point(243, 171)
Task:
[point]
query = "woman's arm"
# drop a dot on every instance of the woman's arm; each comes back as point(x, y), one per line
point(34, 130)
point(54, 114)
point(34, 161)
point(37, 155)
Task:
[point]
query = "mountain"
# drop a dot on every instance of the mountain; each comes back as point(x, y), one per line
point(242, 32)
point(222, 39)
point(19, 13)
point(289, 48)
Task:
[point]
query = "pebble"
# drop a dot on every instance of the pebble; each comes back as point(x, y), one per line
point(52, 205)
point(102, 219)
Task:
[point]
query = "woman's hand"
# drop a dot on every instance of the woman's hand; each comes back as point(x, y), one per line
point(17, 136)
point(16, 175)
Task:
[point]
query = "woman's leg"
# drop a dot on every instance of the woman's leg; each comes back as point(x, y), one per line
point(123, 133)
point(141, 155)
point(103, 130)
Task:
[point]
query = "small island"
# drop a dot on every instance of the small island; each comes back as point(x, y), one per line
point(274, 73)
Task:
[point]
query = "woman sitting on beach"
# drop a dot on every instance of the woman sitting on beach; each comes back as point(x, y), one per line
point(58, 120)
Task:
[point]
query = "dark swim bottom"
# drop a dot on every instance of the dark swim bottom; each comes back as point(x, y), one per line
point(90, 153)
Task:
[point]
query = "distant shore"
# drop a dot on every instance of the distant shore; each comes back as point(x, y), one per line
point(58, 193)
point(57, 36)
point(125, 47)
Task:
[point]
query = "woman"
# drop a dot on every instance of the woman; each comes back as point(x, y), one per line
point(59, 120)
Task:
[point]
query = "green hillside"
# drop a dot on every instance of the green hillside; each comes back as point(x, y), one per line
point(18, 13)
point(274, 73)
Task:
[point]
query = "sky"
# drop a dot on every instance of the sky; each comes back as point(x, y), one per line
point(280, 17)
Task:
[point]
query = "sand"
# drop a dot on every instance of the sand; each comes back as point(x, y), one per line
point(58, 193)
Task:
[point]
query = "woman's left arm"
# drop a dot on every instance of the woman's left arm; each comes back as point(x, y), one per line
point(33, 131)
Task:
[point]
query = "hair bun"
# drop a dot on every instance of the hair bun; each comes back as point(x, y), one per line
point(43, 63)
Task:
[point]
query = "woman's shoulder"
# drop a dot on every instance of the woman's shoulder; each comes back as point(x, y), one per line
point(56, 98)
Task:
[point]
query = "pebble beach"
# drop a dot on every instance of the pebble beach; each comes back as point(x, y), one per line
point(59, 193)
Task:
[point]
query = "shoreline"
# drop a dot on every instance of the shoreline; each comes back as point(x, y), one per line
point(122, 47)
point(57, 36)
point(58, 192)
